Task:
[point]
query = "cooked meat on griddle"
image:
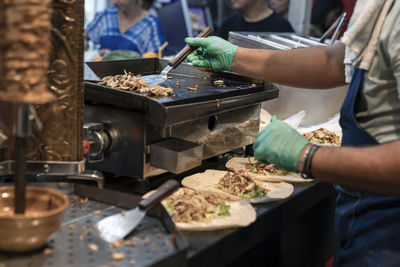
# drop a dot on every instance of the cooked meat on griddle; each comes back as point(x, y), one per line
point(127, 81)
point(130, 82)
point(159, 90)
point(322, 136)
point(239, 185)
point(188, 206)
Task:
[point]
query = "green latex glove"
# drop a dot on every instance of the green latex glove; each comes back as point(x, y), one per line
point(280, 144)
point(212, 52)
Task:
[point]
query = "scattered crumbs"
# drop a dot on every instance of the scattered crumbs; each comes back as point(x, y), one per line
point(97, 212)
point(47, 251)
point(123, 213)
point(85, 232)
point(178, 84)
point(191, 88)
point(75, 198)
point(172, 238)
point(118, 256)
point(205, 78)
point(84, 201)
point(153, 244)
point(93, 247)
point(72, 226)
point(133, 261)
point(253, 84)
point(132, 244)
point(159, 236)
point(238, 87)
point(218, 104)
point(146, 240)
point(117, 243)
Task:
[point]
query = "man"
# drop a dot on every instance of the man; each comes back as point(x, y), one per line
point(367, 166)
point(253, 16)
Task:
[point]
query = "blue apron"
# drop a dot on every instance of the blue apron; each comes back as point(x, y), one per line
point(368, 225)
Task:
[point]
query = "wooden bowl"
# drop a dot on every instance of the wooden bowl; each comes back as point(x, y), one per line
point(29, 231)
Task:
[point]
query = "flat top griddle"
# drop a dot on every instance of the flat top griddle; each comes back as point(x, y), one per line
point(162, 111)
point(186, 74)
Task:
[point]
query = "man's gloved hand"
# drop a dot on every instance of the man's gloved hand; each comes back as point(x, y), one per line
point(213, 52)
point(280, 144)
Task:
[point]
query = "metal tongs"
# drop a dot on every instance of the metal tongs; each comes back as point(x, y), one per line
point(338, 24)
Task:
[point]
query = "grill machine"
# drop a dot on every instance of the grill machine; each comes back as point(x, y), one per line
point(140, 136)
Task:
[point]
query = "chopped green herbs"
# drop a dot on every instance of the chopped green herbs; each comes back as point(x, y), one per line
point(223, 209)
point(259, 192)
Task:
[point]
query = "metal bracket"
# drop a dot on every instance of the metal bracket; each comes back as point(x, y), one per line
point(91, 176)
point(68, 169)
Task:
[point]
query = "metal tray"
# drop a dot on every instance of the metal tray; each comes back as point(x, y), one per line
point(158, 243)
point(183, 104)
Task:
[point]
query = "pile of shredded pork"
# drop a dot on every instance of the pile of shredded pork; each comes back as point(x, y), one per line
point(261, 168)
point(188, 205)
point(130, 82)
point(322, 136)
point(236, 184)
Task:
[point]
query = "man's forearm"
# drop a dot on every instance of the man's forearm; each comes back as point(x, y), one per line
point(374, 169)
point(317, 67)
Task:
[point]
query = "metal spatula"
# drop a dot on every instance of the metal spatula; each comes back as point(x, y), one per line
point(155, 79)
point(118, 226)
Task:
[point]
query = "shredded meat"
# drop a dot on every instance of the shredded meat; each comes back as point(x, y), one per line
point(160, 91)
point(262, 168)
point(130, 82)
point(322, 136)
point(236, 184)
point(127, 81)
point(189, 205)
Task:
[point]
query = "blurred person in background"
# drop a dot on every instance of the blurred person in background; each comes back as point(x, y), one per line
point(324, 13)
point(127, 28)
point(253, 16)
point(280, 7)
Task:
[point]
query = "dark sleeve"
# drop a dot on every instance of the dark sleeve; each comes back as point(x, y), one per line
point(281, 24)
point(224, 30)
point(286, 27)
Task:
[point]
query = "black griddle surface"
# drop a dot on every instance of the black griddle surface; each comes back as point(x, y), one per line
point(186, 74)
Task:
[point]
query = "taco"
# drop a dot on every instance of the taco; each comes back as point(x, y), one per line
point(250, 167)
point(193, 210)
point(231, 186)
point(323, 136)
